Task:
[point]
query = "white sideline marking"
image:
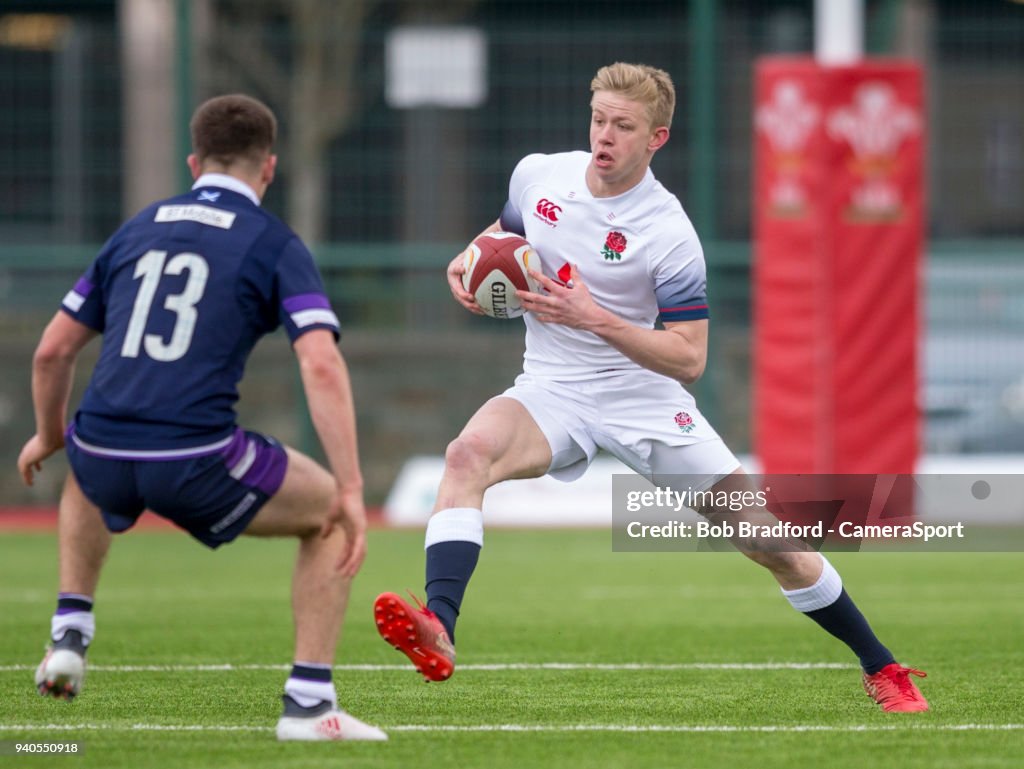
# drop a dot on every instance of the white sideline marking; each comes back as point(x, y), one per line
point(533, 728)
point(498, 666)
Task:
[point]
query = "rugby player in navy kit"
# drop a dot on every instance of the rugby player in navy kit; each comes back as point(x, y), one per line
point(181, 294)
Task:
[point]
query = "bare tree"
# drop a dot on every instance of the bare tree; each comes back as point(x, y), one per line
point(301, 56)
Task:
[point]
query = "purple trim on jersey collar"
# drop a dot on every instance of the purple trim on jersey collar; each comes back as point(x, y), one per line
point(227, 182)
point(84, 286)
point(306, 302)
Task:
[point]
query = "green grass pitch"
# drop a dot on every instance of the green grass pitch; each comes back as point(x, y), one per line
point(551, 623)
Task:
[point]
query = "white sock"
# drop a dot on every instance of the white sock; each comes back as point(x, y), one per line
point(82, 621)
point(455, 524)
point(308, 693)
point(822, 593)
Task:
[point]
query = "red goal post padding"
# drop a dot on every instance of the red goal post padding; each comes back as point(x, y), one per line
point(838, 239)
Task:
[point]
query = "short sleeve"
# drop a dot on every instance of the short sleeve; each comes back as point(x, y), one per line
point(680, 277)
point(304, 305)
point(522, 176)
point(85, 302)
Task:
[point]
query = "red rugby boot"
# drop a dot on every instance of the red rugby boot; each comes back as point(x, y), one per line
point(417, 633)
point(892, 688)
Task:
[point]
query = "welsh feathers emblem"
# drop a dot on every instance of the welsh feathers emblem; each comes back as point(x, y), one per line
point(614, 245)
point(684, 422)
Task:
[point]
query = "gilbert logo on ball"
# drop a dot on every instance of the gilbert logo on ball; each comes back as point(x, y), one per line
point(496, 265)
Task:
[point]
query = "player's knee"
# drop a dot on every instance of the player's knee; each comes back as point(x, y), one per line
point(310, 526)
point(468, 456)
point(317, 513)
point(777, 562)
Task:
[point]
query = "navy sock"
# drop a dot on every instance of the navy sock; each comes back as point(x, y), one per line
point(843, 619)
point(69, 603)
point(449, 567)
point(318, 673)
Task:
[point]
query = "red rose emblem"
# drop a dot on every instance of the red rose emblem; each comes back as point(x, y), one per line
point(684, 421)
point(616, 242)
point(614, 245)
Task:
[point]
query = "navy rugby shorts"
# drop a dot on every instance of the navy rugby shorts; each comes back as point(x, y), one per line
point(213, 496)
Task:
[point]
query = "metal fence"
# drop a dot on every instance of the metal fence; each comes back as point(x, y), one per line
point(389, 191)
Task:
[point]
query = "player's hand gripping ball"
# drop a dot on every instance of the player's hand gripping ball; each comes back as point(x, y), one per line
point(496, 265)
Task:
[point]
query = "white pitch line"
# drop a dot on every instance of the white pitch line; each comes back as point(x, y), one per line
point(534, 728)
point(698, 728)
point(497, 666)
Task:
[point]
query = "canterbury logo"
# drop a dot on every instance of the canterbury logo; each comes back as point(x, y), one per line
point(548, 210)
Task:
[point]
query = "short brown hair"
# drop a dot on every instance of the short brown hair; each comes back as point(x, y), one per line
point(232, 128)
point(640, 82)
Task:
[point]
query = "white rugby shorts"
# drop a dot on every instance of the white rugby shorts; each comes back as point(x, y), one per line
point(648, 421)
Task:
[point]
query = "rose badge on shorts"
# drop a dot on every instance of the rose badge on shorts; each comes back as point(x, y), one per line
point(614, 245)
point(684, 422)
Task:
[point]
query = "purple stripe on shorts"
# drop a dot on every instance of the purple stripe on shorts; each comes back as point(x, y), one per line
point(233, 451)
point(306, 302)
point(268, 468)
point(84, 287)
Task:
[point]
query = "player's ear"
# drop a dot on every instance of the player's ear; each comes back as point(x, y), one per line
point(194, 166)
point(269, 167)
point(658, 139)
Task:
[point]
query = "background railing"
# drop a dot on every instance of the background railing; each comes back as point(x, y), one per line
point(92, 127)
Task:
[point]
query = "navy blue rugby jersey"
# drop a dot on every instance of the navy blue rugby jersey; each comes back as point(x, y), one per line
point(181, 294)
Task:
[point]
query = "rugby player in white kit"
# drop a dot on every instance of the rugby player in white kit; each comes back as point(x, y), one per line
point(618, 252)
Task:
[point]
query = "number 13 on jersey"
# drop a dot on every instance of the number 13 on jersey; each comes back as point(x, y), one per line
point(151, 267)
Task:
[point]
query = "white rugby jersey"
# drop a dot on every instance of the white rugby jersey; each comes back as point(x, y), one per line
point(637, 253)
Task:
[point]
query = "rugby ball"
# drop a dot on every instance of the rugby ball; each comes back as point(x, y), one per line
point(496, 265)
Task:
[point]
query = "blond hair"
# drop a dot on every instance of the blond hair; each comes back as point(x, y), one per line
point(650, 86)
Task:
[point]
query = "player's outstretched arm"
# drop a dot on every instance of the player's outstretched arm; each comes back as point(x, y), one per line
point(53, 372)
point(328, 390)
point(456, 268)
point(679, 351)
